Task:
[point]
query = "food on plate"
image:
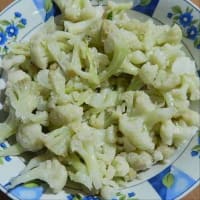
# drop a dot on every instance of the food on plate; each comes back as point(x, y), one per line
point(96, 97)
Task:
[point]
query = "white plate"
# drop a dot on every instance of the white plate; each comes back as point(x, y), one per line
point(170, 181)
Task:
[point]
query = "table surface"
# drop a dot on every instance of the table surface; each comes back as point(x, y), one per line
point(194, 195)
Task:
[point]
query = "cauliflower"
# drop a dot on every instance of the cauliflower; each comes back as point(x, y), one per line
point(143, 103)
point(135, 130)
point(9, 126)
point(177, 133)
point(46, 171)
point(12, 61)
point(16, 75)
point(159, 79)
point(121, 166)
point(76, 68)
point(97, 97)
point(29, 136)
point(12, 150)
point(81, 174)
point(40, 55)
point(183, 65)
point(141, 161)
point(116, 11)
point(115, 39)
point(83, 144)
point(57, 82)
point(58, 141)
point(65, 114)
point(106, 98)
point(138, 57)
point(23, 97)
point(78, 10)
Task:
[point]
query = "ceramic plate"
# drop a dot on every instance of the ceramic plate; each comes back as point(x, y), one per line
point(170, 181)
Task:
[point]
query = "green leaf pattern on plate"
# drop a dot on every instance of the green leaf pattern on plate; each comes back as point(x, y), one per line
point(189, 25)
point(168, 180)
point(9, 31)
point(48, 5)
point(145, 2)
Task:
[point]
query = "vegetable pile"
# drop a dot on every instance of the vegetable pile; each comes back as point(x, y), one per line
point(97, 97)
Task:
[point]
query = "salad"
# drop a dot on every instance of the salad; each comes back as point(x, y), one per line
point(96, 97)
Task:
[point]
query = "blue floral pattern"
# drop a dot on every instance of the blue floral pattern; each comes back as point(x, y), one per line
point(167, 183)
point(6, 158)
point(185, 19)
point(146, 6)
point(80, 197)
point(9, 31)
point(196, 149)
point(47, 8)
point(30, 191)
point(129, 196)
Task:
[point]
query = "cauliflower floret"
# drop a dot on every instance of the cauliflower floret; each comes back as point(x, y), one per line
point(141, 161)
point(191, 117)
point(138, 57)
point(13, 150)
point(143, 103)
point(58, 141)
point(183, 65)
point(172, 36)
point(57, 82)
point(193, 83)
point(65, 114)
point(12, 61)
point(81, 174)
point(148, 73)
point(121, 166)
point(158, 57)
point(135, 130)
point(9, 126)
point(29, 136)
point(23, 96)
point(165, 150)
point(167, 131)
point(46, 171)
point(166, 81)
point(177, 133)
point(76, 10)
point(16, 75)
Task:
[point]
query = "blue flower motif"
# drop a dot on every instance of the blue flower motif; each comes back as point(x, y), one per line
point(3, 145)
point(169, 15)
point(90, 197)
point(185, 19)
point(12, 30)
point(70, 197)
point(131, 194)
point(194, 153)
point(192, 32)
point(8, 158)
point(23, 21)
point(18, 14)
point(198, 46)
point(3, 38)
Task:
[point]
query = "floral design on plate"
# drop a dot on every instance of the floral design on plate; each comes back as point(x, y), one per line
point(129, 196)
point(80, 197)
point(145, 6)
point(6, 158)
point(167, 183)
point(29, 191)
point(196, 149)
point(189, 25)
point(47, 8)
point(9, 30)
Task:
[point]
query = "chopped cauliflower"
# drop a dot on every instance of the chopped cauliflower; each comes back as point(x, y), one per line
point(95, 97)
